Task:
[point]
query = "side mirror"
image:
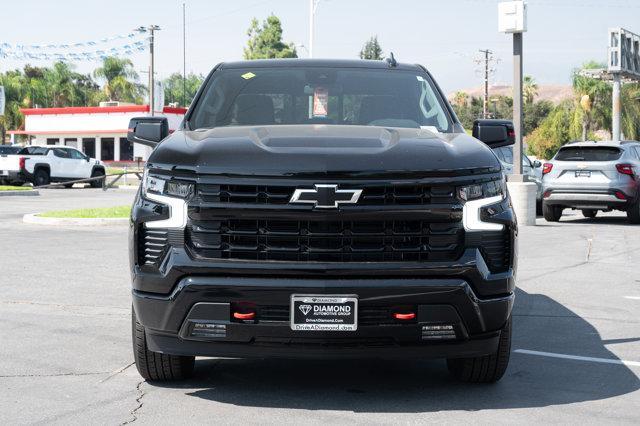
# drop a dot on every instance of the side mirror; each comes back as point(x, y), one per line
point(148, 131)
point(537, 164)
point(495, 133)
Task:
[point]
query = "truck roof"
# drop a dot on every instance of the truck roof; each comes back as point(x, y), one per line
point(337, 63)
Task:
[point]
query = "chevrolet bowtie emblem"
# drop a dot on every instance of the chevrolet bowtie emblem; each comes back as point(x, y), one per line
point(326, 196)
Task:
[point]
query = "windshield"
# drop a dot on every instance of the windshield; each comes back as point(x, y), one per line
point(579, 153)
point(301, 95)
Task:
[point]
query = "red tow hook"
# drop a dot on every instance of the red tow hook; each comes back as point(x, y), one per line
point(404, 317)
point(244, 316)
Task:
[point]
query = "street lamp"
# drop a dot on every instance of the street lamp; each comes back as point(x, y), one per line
point(313, 5)
point(512, 19)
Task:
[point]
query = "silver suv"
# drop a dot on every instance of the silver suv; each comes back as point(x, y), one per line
point(531, 169)
point(592, 176)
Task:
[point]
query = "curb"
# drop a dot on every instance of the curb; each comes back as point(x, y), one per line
point(20, 193)
point(74, 221)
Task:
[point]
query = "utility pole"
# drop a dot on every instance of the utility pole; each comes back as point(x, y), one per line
point(151, 29)
point(485, 103)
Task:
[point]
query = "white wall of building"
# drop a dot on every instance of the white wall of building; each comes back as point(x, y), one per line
point(93, 125)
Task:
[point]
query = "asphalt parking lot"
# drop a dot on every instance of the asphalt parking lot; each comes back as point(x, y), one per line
point(65, 351)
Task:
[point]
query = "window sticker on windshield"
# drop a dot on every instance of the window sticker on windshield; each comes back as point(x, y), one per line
point(248, 75)
point(320, 102)
point(420, 78)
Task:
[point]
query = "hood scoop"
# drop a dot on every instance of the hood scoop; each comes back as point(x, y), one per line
point(323, 142)
point(325, 138)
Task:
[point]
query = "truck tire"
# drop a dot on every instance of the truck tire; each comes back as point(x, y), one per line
point(589, 213)
point(98, 182)
point(155, 366)
point(551, 213)
point(633, 212)
point(41, 177)
point(484, 369)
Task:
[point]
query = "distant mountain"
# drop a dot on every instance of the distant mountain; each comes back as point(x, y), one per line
point(555, 93)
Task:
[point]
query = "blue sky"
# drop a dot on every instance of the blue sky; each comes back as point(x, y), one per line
point(444, 35)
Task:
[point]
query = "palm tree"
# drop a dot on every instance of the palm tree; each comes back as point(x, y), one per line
point(529, 89)
point(460, 99)
point(593, 97)
point(120, 80)
point(630, 120)
point(61, 82)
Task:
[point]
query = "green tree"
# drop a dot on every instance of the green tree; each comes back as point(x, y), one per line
point(460, 99)
point(534, 113)
point(630, 120)
point(174, 89)
point(371, 49)
point(120, 80)
point(529, 89)
point(593, 101)
point(553, 132)
point(13, 82)
point(265, 41)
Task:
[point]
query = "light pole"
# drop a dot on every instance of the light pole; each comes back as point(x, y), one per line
point(313, 5)
point(517, 105)
point(512, 19)
point(151, 29)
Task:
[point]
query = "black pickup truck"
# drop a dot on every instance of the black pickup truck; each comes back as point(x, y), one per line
point(322, 209)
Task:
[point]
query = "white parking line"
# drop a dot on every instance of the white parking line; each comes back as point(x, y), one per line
point(632, 297)
point(579, 358)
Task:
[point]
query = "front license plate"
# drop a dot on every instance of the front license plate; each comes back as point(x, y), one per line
point(324, 313)
point(583, 173)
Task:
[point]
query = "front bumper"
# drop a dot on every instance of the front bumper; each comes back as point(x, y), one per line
point(169, 320)
point(465, 293)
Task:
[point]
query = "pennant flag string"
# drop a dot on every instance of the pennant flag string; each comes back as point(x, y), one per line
point(94, 55)
point(65, 46)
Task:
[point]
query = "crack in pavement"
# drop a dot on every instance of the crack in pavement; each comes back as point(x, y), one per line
point(5, 376)
point(116, 372)
point(134, 412)
point(59, 305)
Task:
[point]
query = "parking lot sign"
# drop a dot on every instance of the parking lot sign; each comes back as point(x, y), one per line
point(624, 53)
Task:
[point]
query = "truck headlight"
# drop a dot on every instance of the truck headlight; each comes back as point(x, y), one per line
point(490, 189)
point(172, 193)
point(173, 188)
point(475, 198)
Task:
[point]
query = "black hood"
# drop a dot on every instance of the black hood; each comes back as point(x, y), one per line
point(329, 150)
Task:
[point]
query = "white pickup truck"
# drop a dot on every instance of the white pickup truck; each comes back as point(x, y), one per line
point(42, 165)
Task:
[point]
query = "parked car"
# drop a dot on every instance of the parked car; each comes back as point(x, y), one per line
point(532, 169)
point(5, 176)
point(42, 165)
point(321, 208)
point(592, 177)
